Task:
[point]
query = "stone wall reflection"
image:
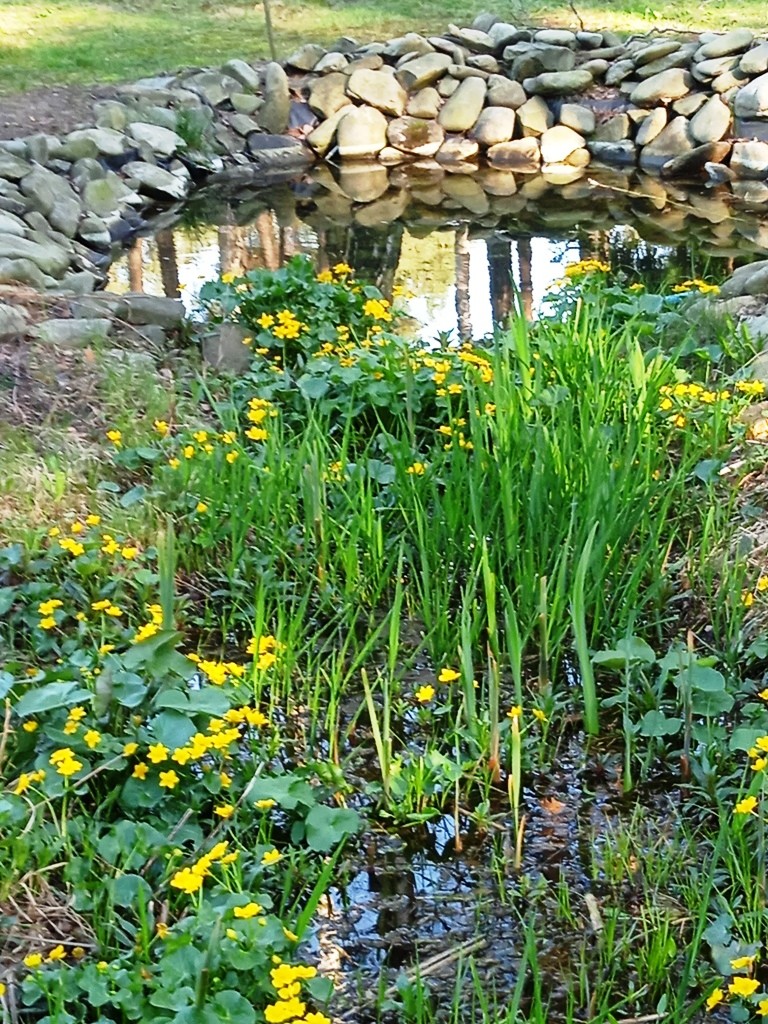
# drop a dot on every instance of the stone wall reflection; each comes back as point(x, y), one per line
point(365, 214)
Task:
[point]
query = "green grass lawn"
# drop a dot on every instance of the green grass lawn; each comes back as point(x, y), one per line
point(86, 41)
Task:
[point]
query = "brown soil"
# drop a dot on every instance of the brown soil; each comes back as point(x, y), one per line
point(54, 110)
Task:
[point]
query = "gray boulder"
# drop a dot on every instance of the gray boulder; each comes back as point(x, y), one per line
point(161, 141)
point(558, 83)
point(666, 86)
point(752, 100)
point(73, 334)
point(522, 155)
point(328, 94)
point(671, 142)
point(651, 126)
point(13, 321)
point(755, 61)
point(494, 125)
point(750, 160)
point(378, 89)
point(419, 136)
point(275, 112)
point(462, 110)
point(535, 116)
point(735, 41)
point(558, 143)
point(423, 71)
point(243, 73)
point(361, 132)
point(156, 182)
point(305, 58)
point(711, 122)
point(581, 119)
point(425, 103)
point(51, 258)
point(503, 92)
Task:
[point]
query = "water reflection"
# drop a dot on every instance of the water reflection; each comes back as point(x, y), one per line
point(456, 250)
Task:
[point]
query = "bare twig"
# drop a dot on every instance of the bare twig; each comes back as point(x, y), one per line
point(578, 16)
point(426, 968)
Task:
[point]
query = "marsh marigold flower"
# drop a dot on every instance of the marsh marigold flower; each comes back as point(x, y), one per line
point(425, 694)
point(270, 857)
point(743, 986)
point(746, 806)
point(715, 997)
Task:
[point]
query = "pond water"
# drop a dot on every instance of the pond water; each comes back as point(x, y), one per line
point(450, 246)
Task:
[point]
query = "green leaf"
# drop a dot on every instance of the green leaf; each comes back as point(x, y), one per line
point(711, 703)
point(327, 826)
point(656, 723)
point(709, 680)
point(233, 1008)
point(7, 597)
point(129, 890)
point(133, 497)
point(206, 701)
point(51, 696)
point(629, 651)
point(172, 728)
point(745, 736)
point(286, 790)
point(312, 387)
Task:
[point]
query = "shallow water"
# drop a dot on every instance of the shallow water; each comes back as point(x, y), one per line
point(451, 246)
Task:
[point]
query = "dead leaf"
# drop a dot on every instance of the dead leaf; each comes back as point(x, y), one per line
point(551, 805)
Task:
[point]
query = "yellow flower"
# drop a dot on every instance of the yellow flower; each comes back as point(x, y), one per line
point(129, 552)
point(116, 437)
point(448, 675)
point(77, 528)
point(33, 960)
point(762, 1007)
point(47, 623)
point(157, 753)
point(130, 749)
point(763, 694)
point(743, 986)
point(161, 426)
point(249, 910)
point(100, 606)
point(161, 929)
point(201, 507)
point(746, 806)
point(759, 764)
point(264, 805)
point(715, 997)
point(140, 770)
point(416, 469)
point(377, 309)
point(145, 632)
point(92, 739)
point(747, 598)
point(229, 277)
point(57, 953)
point(538, 714)
point(285, 1010)
point(342, 269)
point(762, 583)
point(232, 456)
point(169, 779)
point(114, 611)
point(270, 857)
point(316, 1018)
point(174, 463)
point(49, 607)
point(741, 962)
point(224, 810)
point(29, 726)
point(515, 712)
point(187, 880)
point(425, 694)
point(188, 451)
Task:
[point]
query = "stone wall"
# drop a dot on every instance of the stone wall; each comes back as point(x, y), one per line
point(521, 99)
point(505, 99)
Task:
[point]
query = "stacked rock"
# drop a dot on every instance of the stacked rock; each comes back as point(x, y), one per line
point(522, 98)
